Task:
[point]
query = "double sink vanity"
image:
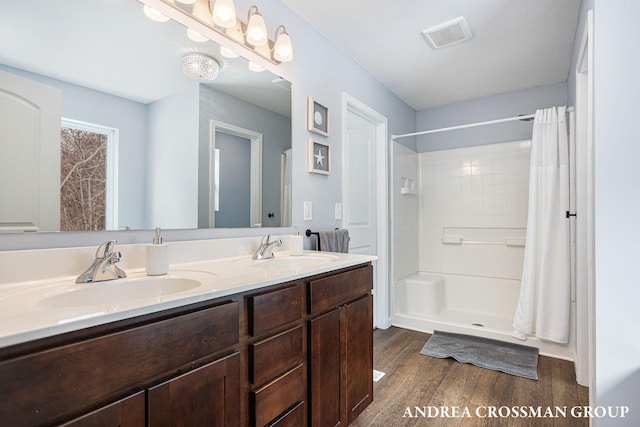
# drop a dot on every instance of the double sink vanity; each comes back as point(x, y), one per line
point(222, 339)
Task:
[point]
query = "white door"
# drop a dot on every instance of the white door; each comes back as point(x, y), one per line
point(360, 181)
point(365, 194)
point(29, 155)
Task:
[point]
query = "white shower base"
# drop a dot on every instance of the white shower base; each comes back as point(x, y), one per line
point(472, 305)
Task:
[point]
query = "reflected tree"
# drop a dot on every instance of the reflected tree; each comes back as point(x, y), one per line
point(83, 180)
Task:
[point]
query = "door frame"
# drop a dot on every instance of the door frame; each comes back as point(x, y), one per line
point(381, 282)
point(255, 217)
point(585, 247)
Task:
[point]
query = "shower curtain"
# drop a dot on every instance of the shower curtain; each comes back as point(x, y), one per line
point(285, 188)
point(544, 306)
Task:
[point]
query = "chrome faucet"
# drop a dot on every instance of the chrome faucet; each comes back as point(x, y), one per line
point(265, 251)
point(103, 266)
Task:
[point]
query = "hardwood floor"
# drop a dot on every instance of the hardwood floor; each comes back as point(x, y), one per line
point(413, 380)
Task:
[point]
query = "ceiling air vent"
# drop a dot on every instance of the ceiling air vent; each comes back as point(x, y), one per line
point(448, 33)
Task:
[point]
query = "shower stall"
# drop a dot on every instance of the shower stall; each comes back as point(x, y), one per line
point(459, 227)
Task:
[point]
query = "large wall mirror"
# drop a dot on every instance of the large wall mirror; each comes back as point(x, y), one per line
point(137, 143)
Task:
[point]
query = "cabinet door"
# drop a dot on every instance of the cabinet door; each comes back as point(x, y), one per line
point(128, 412)
point(358, 342)
point(208, 396)
point(325, 371)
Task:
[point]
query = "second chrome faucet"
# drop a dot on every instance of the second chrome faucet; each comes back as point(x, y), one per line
point(265, 251)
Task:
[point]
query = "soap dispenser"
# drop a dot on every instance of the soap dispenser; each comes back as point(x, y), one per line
point(295, 243)
point(157, 256)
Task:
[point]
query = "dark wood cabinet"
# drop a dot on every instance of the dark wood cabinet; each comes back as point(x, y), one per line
point(358, 355)
point(205, 397)
point(325, 370)
point(294, 354)
point(129, 412)
point(341, 348)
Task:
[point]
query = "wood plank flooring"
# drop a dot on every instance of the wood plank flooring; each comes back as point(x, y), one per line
point(414, 380)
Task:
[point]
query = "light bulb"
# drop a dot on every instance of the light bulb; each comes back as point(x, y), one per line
point(256, 30)
point(154, 15)
point(256, 68)
point(224, 13)
point(196, 36)
point(282, 50)
point(227, 53)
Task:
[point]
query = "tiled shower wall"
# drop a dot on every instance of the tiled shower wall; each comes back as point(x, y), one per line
point(479, 194)
point(405, 213)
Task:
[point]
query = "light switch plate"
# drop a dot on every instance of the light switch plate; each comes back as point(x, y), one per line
point(308, 211)
point(338, 211)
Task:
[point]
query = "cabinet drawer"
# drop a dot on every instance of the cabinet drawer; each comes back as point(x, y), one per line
point(340, 288)
point(294, 417)
point(206, 396)
point(54, 384)
point(276, 397)
point(275, 355)
point(273, 309)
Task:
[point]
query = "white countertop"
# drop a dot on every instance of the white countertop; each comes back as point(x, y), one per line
point(41, 308)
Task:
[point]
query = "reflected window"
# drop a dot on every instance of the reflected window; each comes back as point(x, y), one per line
point(88, 177)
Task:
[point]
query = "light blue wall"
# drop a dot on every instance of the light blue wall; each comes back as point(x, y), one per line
point(276, 137)
point(172, 171)
point(484, 109)
point(325, 73)
point(617, 206)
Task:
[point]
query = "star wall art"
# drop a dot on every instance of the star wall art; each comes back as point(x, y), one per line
point(319, 157)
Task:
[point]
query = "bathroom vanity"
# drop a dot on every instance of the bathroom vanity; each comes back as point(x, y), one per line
point(294, 349)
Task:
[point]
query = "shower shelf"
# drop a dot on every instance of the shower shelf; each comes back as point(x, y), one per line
point(408, 187)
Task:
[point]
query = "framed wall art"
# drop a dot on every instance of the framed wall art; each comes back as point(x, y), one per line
point(317, 118)
point(319, 157)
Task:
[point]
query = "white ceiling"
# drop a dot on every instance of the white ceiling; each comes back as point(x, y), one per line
point(516, 44)
point(110, 46)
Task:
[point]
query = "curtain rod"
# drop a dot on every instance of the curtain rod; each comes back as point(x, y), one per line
point(524, 117)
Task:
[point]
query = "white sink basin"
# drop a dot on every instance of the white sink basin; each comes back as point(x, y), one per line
point(120, 291)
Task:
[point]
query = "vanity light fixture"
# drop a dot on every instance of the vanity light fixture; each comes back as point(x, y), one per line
point(199, 67)
point(256, 68)
point(221, 18)
point(223, 13)
point(154, 15)
point(256, 28)
point(282, 49)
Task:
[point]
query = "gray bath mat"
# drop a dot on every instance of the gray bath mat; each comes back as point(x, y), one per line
point(501, 356)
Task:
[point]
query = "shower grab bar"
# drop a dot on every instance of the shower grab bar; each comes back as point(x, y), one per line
point(508, 242)
point(455, 235)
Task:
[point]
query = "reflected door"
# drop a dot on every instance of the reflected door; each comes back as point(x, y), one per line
point(29, 155)
point(234, 168)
